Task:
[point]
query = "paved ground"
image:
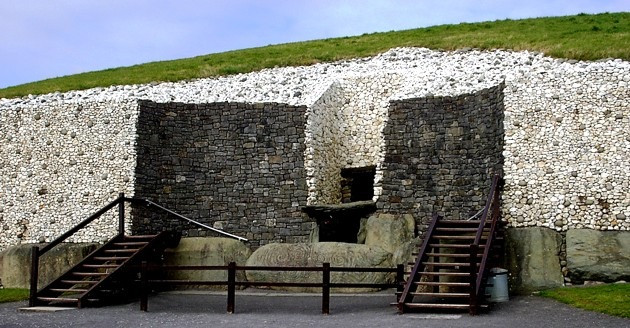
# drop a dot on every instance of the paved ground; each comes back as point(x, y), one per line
point(281, 310)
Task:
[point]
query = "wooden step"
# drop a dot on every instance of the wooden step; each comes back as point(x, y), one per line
point(439, 283)
point(446, 274)
point(58, 299)
point(90, 274)
point(124, 250)
point(457, 237)
point(463, 222)
point(110, 258)
point(454, 295)
point(101, 266)
point(453, 246)
point(457, 229)
point(446, 264)
point(436, 306)
point(79, 282)
point(68, 290)
point(451, 255)
point(131, 243)
point(140, 237)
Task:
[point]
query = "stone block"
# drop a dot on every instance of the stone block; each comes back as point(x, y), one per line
point(314, 254)
point(206, 251)
point(16, 263)
point(532, 257)
point(389, 232)
point(598, 255)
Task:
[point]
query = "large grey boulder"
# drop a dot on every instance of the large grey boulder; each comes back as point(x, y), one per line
point(598, 255)
point(16, 263)
point(314, 254)
point(533, 261)
point(206, 251)
point(388, 231)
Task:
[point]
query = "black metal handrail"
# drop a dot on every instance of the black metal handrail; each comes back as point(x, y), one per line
point(418, 266)
point(36, 252)
point(477, 274)
point(149, 203)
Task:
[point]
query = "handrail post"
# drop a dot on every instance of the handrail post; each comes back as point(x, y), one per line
point(400, 278)
point(474, 250)
point(32, 299)
point(144, 286)
point(121, 213)
point(231, 286)
point(326, 288)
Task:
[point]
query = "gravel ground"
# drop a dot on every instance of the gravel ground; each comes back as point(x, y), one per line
point(282, 310)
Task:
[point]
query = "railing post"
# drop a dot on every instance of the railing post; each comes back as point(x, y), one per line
point(144, 287)
point(400, 278)
point(326, 288)
point(32, 299)
point(474, 250)
point(121, 213)
point(231, 287)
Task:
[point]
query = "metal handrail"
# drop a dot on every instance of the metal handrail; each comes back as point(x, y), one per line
point(149, 203)
point(418, 265)
point(492, 206)
point(36, 252)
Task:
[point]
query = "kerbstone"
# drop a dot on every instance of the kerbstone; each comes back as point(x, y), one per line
point(209, 251)
point(16, 263)
point(598, 255)
point(314, 254)
point(533, 261)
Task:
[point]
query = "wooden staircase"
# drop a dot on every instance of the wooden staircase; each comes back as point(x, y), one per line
point(106, 273)
point(450, 269)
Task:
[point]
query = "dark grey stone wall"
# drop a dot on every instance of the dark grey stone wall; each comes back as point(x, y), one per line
point(441, 153)
point(235, 166)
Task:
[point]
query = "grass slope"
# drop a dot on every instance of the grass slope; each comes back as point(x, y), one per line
point(584, 37)
point(13, 294)
point(611, 299)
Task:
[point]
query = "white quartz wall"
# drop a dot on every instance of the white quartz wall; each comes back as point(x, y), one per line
point(567, 146)
point(59, 163)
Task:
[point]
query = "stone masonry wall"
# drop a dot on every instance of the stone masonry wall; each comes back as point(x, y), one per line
point(61, 161)
point(233, 166)
point(441, 153)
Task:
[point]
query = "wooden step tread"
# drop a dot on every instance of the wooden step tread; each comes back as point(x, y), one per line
point(457, 229)
point(471, 222)
point(437, 294)
point(90, 274)
point(101, 266)
point(451, 255)
point(66, 290)
point(453, 246)
point(131, 243)
point(58, 299)
point(449, 274)
point(140, 237)
point(432, 283)
point(436, 306)
point(456, 237)
point(110, 258)
point(79, 282)
point(124, 250)
point(445, 264)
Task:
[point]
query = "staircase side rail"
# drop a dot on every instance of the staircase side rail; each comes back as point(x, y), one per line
point(79, 226)
point(147, 203)
point(418, 265)
point(486, 209)
point(36, 252)
point(489, 240)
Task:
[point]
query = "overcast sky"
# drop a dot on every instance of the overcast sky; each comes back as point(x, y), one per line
point(41, 39)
